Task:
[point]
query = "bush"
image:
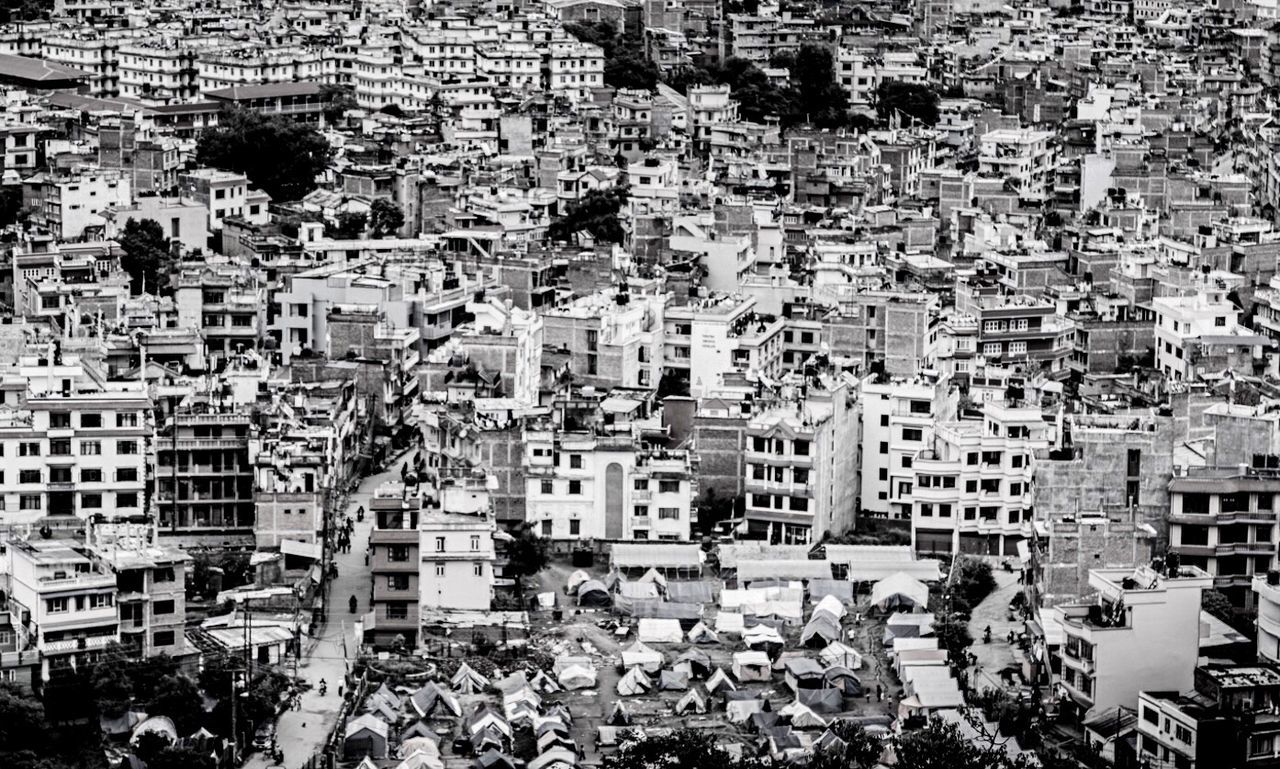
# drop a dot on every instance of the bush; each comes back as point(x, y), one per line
point(973, 581)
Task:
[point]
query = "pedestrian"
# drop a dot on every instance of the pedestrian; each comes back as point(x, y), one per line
point(339, 691)
point(879, 693)
point(1011, 637)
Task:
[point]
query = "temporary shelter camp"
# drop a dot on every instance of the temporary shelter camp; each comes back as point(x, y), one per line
point(751, 666)
point(593, 593)
point(634, 682)
point(898, 592)
point(640, 655)
point(660, 631)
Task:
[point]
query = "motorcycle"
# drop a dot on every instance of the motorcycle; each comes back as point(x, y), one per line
point(360, 514)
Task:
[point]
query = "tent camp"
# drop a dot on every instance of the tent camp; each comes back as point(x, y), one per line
point(898, 592)
point(667, 631)
point(751, 666)
point(634, 682)
point(593, 593)
point(695, 663)
point(365, 735)
point(720, 680)
point(467, 681)
point(694, 701)
point(701, 634)
point(575, 579)
point(432, 700)
point(837, 653)
point(642, 656)
point(907, 625)
point(672, 681)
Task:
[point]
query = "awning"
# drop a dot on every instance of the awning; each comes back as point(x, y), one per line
point(303, 549)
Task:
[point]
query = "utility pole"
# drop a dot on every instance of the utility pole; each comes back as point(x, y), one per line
point(235, 736)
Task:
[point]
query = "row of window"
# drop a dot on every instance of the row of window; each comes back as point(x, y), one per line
point(61, 447)
point(990, 514)
point(89, 420)
point(779, 502)
point(79, 602)
point(664, 513)
point(64, 475)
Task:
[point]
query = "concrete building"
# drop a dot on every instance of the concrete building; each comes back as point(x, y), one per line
point(800, 456)
point(973, 489)
point(1024, 157)
point(458, 554)
point(898, 419)
point(1181, 321)
point(1223, 520)
point(394, 546)
point(1058, 572)
point(1106, 657)
point(613, 338)
point(204, 474)
point(150, 584)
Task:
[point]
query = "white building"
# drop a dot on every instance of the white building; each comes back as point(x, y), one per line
point(1180, 319)
point(1266, 590)
point(1107, 648)
point(898, 420)
point(457, 550)
point(709, 338)
point(1023, 156)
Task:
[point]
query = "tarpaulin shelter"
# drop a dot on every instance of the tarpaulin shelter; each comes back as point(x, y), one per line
point(593, 593)
point(695, 701)
point(720, 680)
point(912, 644)
point(637, 590)
point(365, 735)
point(802, 673)
point(432, 700)
point(797, 570)
point(908, 625)
point(803, 717)
point(821, 700)
point(467, 681)
point(652, 630)
point(695, 663)
point(669, 559)
point(549, 740)
point(831, 605)
point(701, 634)
point(421, 759)
point(842, 678)
point(553, 758)
point(634, 682)
point(654, 577)
point(821, 630)
point(494, 759)
point(899, 591)
point(690, 591)
point(577, 677)
point(619, 716)
point(543, 683)
point(762, 638)
point(841, 590)
point(751, 666)
point(837, 653)
point(672, 681)
point(740, 708)
point(575, 579)
point(412, 745)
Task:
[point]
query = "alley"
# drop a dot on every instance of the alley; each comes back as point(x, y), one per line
point(300, 733)
point(994, 612)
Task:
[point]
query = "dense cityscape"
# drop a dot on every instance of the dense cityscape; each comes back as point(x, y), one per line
point(639, 384)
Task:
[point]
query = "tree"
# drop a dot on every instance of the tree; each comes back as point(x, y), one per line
point(595, 213)
point(111, 684)
point(625, 64)
point(681, 749)
point(385, 217)
point(181, 758)
point(23, 725)
point(145, 256)
point(908, 101)
point(178, 697)
point(337, 100)
point(349, 225)
point(952, 631)
point(819, 99)
point(526, 556)
point(858, 749)
point(1216, 603)
point(280, 156)
point(940, 745)
point(973, 580)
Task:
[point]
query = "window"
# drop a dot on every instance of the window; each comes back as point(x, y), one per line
point(668, 487)
point(575, 461)
point(400, 609)
point(1017, 348)
point(126, 447)
point(575, 527)
point(127, 474)
point(397, 581)
point(29, 449)
point(1182, 733)
point(884, 447)
point(926, 510)
point(640, 484)
point(59, 420)
point(575, 487)
point(398, 553)
point(802, 448)
point(546, 528)
point(439, 544)
point(971, 458)
point(668, 513)
point(991, 348)
point(1015, 461)
point(60, 447)
point(1262, 745)
point(127, 419)
point(640, 511)
point(28, 476)
point(475, 542)
point(906, 463)
point(162, 607)
point(1220, 321)
point(548, 487)
point(478, 568)
point(29, 502)
point(91, 475)
point(300, 310)
point(55, 605)
point(126, 499)
point(90, 501)
point(439, 569)
point(90, 448)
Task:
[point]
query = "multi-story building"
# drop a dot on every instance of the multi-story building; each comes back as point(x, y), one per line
point(220, 69)
point(159, 71)
point(707, 340)
point(226, 304)
point(63, 602)
point(70, 206)
point(576, 69)
point(150, 584)
point(800, 457)
point(1023, 157)
point(204, 474)
point(973, 488)
point(1228, 719)
point(224, 194)
point(395, 562)
point(1016, 328)
point(1106, 657)
point(614, 339)
point(1223, 520)
point(898, 419)
point(1182, 321)
point(457, 548)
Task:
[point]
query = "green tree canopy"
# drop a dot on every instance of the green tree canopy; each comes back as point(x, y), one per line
point(146, 256)
point(349, 225)
point(909, 101)
point(111, 682)
point(280, 156)
point(178, 697)
point(681, 749)
point(595, 213)
point(625, 64)
point(385, 217)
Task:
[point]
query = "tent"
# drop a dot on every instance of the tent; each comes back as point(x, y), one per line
point(831, 605)
point(365, 735)
point(543, 683)
point(494, 759)
point(665, 557)
point(432, 700)
point(762, 637)
point(729, 622)
point(575, 579)
point(690, 591)
point(637, 590)
point(840, 589)
point(701, 634)
point(673, 681)
point(485, 717)
point(821, 700)
point(418, 728)
point(666, 631)
point(653, 577)
point(549, 740)
point(555, 757)
point(837, 653)
point(640, 655)
point(467, 681)
point(410, 746)
point(764, 720)
point(577, 677)
point(803, 673)
point(422, 759)
point(751, 666)
point(899, 591)
point(803, 717)
point(694, 700)
point(739, 706)
point(821, 630)
point(695, 663)
point(720, 680)
point(634, 682)
point(907, 625)
point(593, 593)
point(619, 716)
point(486, 739)
point(842, 679)
point(911, 644)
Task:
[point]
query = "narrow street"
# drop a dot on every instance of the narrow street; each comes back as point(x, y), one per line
point(300, 733)
point(994, 612)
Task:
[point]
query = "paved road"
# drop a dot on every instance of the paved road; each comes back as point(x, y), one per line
point(994, 611)
point(300, 733)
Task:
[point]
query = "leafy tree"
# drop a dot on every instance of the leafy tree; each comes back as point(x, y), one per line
point(151, 744)
point(1216, 603)
point(625, 64)
point(681, 749)
point(178, 697)
point(23, 725)
point(146, 256)
point(861, 749)
point(915, 101)
point(526, 556)
point(973, 580)
point(338, 101)
point(394, 110)
point(280, 156)
point(349, 225)
point(818, 98)
point(953, 635)
point(596, 213)
point(111, 683)
point(146, 675)
point(941, 745)
point(385, 217)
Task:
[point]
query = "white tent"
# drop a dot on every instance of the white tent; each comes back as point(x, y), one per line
point(467, 680)
point(576, 579)
point(701, 634)
point(837, 653)
point(803, 717)
point(634, 682)
point(720, 680)
point(899, 590)
point(577, 677)
point(729, 622)
point(666, 631)
point(832, 606)
point(740, 711)
point(751, 666)
point(911, 644)
point(655, 577)
point(759, 635)
point(644, 657)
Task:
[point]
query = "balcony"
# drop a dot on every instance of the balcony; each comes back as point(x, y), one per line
point(1238, 516)
point(1245, 548)
point(78, 644)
